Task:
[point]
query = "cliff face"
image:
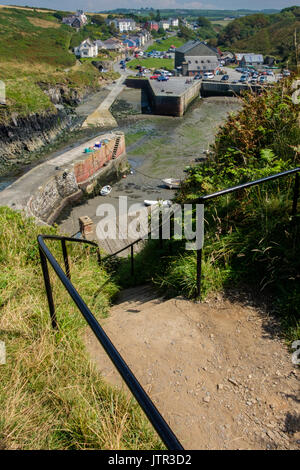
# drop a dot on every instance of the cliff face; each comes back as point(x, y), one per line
point(25, 135)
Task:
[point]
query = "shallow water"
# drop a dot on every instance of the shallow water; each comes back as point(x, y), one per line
point(158, 147)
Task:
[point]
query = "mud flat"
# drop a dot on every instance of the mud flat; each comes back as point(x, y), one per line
point(157, 147)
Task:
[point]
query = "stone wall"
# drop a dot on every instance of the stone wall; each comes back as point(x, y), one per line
point(211, 88)
point(77, 179)
point(168, 105)
point(91, 164)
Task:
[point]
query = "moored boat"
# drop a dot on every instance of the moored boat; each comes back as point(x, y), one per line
point(172, 183)
point(105, 190)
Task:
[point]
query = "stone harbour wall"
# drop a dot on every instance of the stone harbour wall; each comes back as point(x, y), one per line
point(78, 178)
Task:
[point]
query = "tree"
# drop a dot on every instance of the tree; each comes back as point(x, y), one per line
point(158, 17)
point(186, 33)
point(203, 22)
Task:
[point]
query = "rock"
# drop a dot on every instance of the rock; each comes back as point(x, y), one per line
point(233, 381)
point(206, 399)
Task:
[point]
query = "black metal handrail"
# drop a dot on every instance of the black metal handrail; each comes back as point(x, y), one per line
point(152, 413)
point(223, 192)
point(247, 185)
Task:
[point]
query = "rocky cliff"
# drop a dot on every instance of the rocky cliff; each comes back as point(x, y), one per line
point(22, 137)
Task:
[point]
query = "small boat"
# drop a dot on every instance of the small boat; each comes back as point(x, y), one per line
point(172, 183)
point(105, 190)
point(160, 202)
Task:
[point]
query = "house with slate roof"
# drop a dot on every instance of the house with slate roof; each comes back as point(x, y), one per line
point(196, 57)
point(87, 48)
point(243, 58)
point(252, 59)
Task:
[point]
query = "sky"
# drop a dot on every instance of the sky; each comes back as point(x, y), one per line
point(100, 5)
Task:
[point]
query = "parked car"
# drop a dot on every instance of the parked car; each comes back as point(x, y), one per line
point(286, 73)
point(127, 59)
point(253, 80)
point(208, 75)
point(162, 78)
point(243, 79)
point(166, 73)
point(225, 78)
point(154, 77)
point(262, 79)
point(198, 76)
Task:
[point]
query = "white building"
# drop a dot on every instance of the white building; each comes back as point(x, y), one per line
point(174, 22)
point(87, 48)
point(164, 24)
point(123, 24)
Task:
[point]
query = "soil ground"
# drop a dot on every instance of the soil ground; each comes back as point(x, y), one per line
point(217, 371)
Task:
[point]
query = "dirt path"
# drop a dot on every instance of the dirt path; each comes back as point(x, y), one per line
point(217, 371)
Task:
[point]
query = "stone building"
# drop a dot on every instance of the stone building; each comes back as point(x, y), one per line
point(196, 57)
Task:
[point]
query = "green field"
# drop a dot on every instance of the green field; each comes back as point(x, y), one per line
point(164, 46)
point(222, 23)
point(152, 63)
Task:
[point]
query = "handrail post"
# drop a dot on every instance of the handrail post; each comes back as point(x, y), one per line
point(45, 270)
point(160, 230)
point(296, 195)
point(66, 258)
point(132, 260)
point(98, 256)
point(199, 272)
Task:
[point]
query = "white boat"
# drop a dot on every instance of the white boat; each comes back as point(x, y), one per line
point(172, 183)
point(160, 202)
point(105, 190)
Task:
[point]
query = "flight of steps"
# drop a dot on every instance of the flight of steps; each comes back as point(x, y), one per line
point(116, 146)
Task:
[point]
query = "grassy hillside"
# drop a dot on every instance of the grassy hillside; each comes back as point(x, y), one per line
point(34, 49)
point(51, 396)
point(266, 34)
point(165, 45)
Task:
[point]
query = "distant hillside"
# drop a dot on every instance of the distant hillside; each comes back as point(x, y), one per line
point(35, 56)
point(266, 34)
point(186, 12)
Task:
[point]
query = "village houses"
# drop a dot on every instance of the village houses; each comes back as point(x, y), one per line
point(76, 21)
point(123, 24)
